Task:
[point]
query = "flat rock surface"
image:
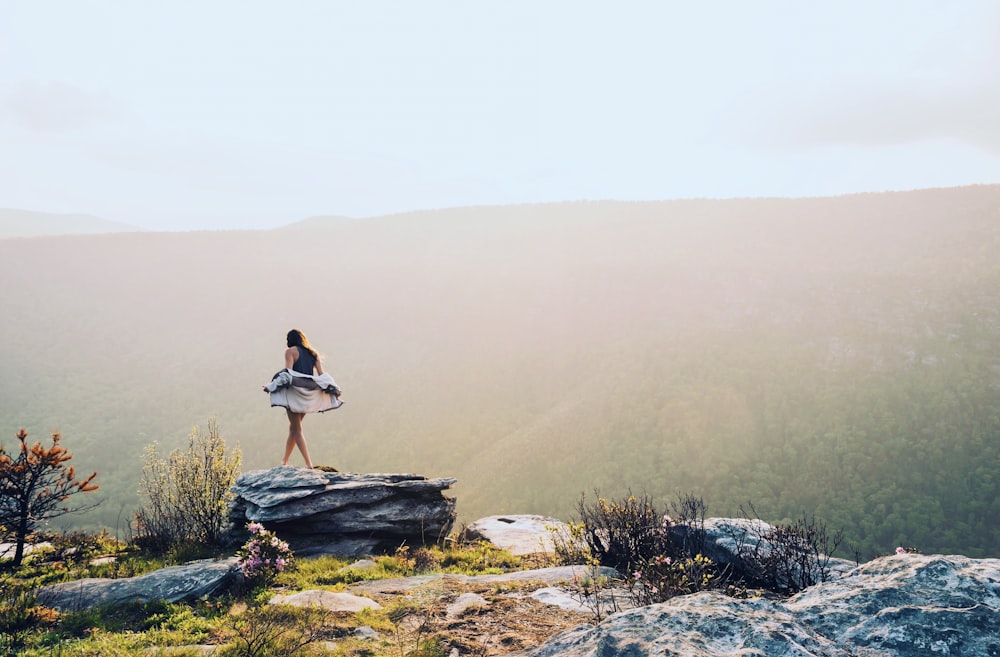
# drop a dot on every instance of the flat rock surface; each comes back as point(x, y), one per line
point(518, 534)
point(328, 600)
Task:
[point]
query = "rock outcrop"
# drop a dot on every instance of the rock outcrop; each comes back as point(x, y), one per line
point(347, 514)
point(173, 584)
point(518, 534)
point(900, 606)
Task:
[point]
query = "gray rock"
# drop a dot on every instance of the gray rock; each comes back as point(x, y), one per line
point(367, 633)
point(518, 534)
point(464, 603)
point(595, 604)
point(344, 513)
point(327, 600)
point(174, 583)
point(557, 597)
point(901, 606)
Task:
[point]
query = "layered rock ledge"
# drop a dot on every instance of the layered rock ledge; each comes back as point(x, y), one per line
point(342, 513)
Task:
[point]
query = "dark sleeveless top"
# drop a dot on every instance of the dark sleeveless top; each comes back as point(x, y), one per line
point(305, 362)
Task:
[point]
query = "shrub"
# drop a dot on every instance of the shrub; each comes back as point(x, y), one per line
point(786, 558)
point(569, 545)
point(263, 556)
point(20, 614)
point(622, 534)
point(663, 577)
point(274, 630)
point(186, 497)
point(425, 560)
point(479, 557)
point(35, 484)
point(78, 547)
point(660, 557)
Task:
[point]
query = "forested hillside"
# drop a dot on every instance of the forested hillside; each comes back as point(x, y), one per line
point(837, 356)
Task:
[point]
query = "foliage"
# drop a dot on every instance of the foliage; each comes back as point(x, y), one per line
point(264, 555)
point(622, 534)
point(786, 558)
point(660, 557)
point(595, 591)
point(186, 496)
point(20, 614)
point(569, 545)
point(273, 630)
point(411, 620)
point(127, 630)
point(478, 557)
point(75, 548)
point(35, 484)
point(426, 560)
point(663, 577)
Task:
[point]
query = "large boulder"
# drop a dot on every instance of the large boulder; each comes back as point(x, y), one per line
point(173, 584)
point(899, 606)
point(518, 534)
point(321, 512)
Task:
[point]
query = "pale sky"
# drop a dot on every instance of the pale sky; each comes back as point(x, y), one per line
point(248, 114)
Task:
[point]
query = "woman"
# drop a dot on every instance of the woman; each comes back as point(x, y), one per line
point(299, 357)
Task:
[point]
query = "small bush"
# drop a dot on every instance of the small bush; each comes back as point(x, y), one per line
point(569, 544)
point(20, 614)
point(786, 558)
point(481, 557)
point(186, 496)
point(425, 560)
point(263, 556)
point(622, 534)
point(660, 557)
point(273, 630)
point(663, 578)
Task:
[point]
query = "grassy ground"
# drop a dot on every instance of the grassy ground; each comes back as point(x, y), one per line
point(241, 623)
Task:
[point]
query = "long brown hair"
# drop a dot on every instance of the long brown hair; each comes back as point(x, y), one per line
point(297, 338)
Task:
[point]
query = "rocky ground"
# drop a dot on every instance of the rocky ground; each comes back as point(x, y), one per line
point(507, 620)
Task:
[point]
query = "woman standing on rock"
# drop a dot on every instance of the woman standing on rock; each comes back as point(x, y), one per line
point(302, 387)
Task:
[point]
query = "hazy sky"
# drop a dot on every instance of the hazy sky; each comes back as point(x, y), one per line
point(250, 114)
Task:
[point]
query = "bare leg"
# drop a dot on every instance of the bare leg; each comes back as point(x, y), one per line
point(296, 438)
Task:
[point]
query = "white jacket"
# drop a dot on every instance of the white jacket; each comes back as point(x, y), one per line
point(304, 393)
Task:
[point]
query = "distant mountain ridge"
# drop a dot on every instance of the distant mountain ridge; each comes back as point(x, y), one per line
point(325, 221)
point(27, 223)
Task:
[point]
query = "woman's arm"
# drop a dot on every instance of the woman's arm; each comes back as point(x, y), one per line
point(319, 366)
point(291, 355)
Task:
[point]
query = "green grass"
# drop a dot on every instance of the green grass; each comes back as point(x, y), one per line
point(142, 629)
point(333, 573)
